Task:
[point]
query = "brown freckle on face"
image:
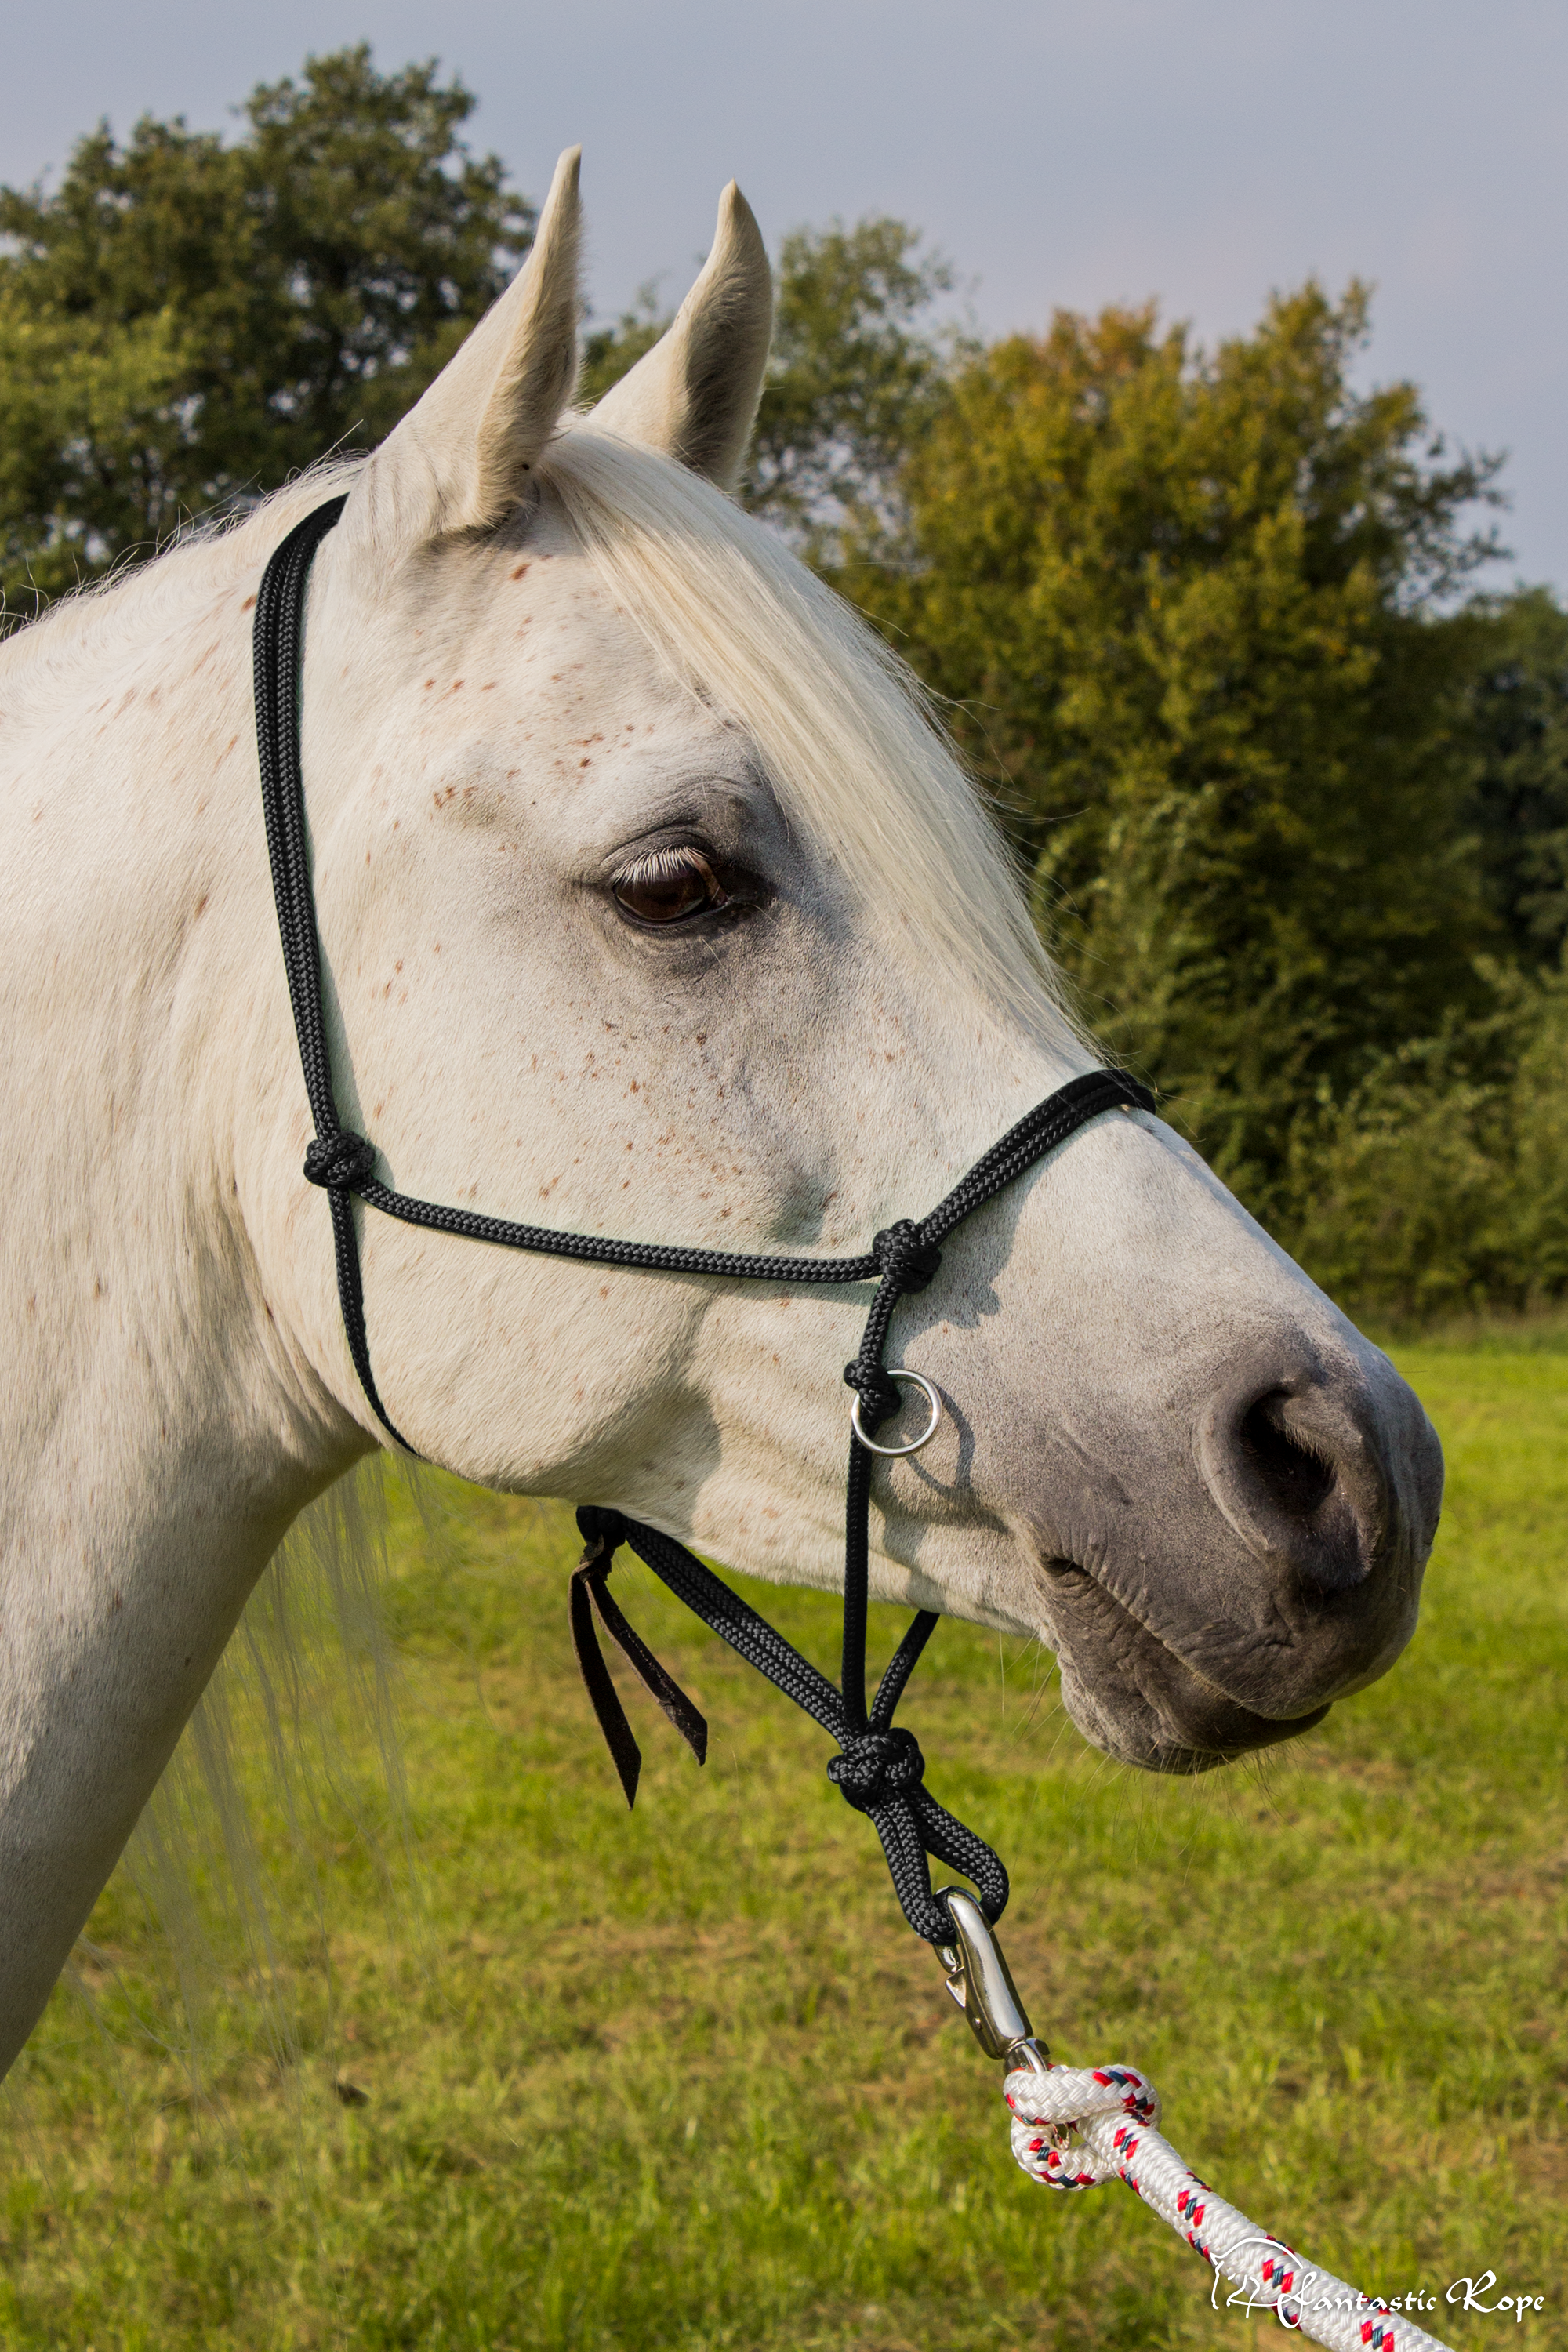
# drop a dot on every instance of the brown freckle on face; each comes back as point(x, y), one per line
point(703, 1036)
point(202, 904)
point(457, 683)
point(517, 571)
point(489, 689)
point(247, 603)
point(428, 684)
point(604, 1290)
point(583, 763)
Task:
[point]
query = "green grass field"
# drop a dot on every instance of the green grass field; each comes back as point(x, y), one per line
point(571, 2078)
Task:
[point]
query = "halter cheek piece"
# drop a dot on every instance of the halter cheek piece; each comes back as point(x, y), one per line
point(878, 1769)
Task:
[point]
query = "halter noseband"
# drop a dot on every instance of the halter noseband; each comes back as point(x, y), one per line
point(878, 1769)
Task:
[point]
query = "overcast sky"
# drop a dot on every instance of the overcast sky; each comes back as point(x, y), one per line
point(1068, 152)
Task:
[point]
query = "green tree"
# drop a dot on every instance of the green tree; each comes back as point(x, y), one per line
point(857, 376)
point(1518, 802)
point(1193, 610)
point(183, 321)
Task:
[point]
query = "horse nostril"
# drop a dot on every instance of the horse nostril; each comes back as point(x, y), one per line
point(1325, 1468)
point(1297, 1479)
point(1296, 1463)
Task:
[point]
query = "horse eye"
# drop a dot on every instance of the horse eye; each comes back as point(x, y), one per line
point(669, 885)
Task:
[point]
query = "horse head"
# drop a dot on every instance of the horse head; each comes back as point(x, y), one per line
point(654, 905)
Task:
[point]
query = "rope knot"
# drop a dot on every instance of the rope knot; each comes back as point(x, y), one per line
point(341, 1162)
point(904, 1257)
point(875, 1765)
point(607, 1529)
point(880, 1398)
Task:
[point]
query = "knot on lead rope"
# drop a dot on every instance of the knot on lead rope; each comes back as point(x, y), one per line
point(340, 1162)
point(904, 1257)
point(1050, 2111)
point(876, 1765)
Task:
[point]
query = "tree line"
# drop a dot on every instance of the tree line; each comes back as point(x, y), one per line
point(1290, 787)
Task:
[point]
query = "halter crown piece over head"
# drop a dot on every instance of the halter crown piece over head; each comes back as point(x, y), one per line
point(878, 1769)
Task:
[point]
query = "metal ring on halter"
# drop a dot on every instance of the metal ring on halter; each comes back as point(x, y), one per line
point(916, 1380)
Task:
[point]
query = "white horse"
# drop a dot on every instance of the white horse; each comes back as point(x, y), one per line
point(652, 905)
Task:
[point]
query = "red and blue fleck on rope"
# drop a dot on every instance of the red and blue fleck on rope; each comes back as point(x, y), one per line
point(1074, 2128)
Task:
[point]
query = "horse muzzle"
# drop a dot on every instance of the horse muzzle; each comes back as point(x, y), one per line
point(1224, 1605)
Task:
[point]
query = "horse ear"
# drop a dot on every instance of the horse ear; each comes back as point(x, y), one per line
point(463, 457)
point(695, 394)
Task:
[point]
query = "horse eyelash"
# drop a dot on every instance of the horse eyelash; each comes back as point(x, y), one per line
point(663, 865)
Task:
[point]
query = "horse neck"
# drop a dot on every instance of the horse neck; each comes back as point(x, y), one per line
point(158, 1432)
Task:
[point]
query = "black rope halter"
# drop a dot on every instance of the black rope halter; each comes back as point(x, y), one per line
point(878, 1769)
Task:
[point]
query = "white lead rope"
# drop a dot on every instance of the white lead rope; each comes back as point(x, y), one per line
point(1073, 2128)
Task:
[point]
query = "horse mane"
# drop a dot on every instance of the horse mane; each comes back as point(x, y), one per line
point(137, 600)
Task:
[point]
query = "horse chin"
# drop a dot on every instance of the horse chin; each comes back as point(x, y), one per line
point(1132, 1696)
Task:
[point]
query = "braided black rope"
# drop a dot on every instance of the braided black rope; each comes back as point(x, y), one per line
point(878, 1769)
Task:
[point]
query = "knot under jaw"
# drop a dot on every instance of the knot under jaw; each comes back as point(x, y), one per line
point(876, 1765)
